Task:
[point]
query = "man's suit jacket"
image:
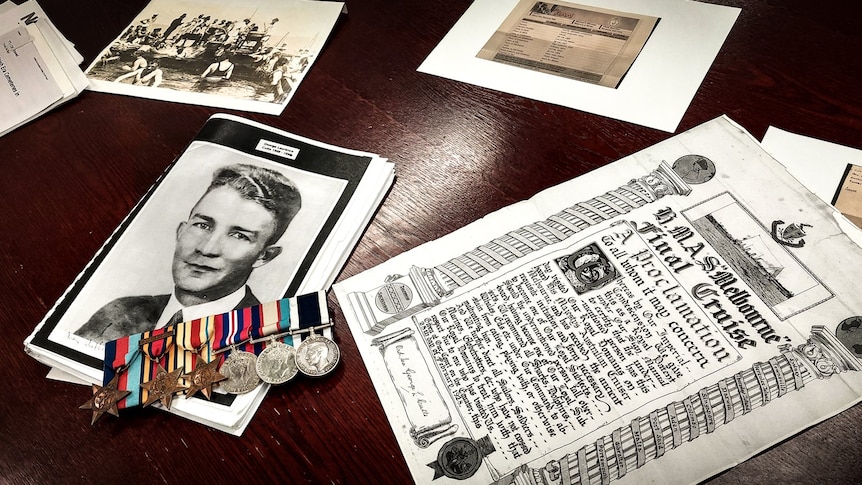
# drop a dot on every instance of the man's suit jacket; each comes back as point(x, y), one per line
point(135, 314)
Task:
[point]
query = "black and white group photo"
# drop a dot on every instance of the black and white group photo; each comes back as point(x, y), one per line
point(222, 53)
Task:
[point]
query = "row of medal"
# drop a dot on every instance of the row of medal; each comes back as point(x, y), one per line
point(278, 363)
point(241, 372)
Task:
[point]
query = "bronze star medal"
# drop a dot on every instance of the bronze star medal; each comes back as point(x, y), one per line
point(163, 387)
point(202, 379)
point(105, 399)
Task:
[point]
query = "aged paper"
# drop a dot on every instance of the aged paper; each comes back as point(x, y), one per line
point(589, 44)
point(226, 53)
point(628, 325)
point(848, 197)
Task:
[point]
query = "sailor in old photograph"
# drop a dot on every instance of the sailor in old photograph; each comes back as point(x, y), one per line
point(233, 229)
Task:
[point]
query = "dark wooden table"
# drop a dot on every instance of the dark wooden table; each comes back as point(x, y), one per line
point(460, 151)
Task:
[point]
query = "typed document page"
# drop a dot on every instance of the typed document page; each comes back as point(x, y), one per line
point(585, 43)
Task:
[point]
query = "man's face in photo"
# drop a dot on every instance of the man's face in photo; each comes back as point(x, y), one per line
point(224, 239)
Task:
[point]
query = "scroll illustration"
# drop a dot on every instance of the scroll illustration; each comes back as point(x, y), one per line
point(428, 414)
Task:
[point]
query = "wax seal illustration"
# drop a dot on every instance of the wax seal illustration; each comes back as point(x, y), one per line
point(460, 458)
point(849, 332)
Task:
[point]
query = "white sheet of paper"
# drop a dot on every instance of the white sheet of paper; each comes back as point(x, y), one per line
point(27, 86)
point(50, 76)
point(655, 92)
point(818, 165)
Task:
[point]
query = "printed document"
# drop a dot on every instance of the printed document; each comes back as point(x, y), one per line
point(589, 44)
point(657, 320)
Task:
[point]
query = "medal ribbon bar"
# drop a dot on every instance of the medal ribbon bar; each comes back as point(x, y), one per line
point(183, 344)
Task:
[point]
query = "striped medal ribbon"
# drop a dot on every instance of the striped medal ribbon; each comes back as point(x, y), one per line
point(161, 381)
point(244, 334)
point(194, 338)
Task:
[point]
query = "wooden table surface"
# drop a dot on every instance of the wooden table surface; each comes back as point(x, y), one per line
point(461, 151)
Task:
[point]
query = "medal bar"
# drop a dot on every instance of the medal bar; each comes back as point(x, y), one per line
point(185, 357)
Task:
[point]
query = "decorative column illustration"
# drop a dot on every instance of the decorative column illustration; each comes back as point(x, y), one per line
point(397, 298)
point(649, 437)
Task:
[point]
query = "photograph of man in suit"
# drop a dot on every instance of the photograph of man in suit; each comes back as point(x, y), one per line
point(230, 231)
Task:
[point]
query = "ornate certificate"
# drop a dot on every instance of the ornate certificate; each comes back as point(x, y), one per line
point(634, 329)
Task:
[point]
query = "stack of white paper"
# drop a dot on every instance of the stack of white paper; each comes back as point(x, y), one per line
point(39, 66)
point(339, 191)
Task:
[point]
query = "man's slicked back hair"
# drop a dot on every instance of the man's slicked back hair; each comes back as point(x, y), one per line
point(268, 188)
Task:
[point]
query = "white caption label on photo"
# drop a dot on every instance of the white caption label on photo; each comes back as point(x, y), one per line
point(278, 149)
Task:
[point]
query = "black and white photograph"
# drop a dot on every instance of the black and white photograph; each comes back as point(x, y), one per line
point(227, 53)
point(246, 215)
point(241, 218)
point(224, 230)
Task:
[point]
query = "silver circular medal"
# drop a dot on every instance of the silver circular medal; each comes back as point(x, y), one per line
point(277, 363)
point(317, 355)
point(239, 368)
